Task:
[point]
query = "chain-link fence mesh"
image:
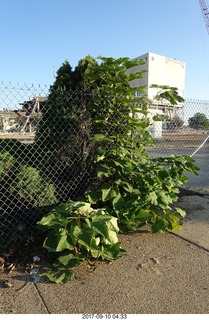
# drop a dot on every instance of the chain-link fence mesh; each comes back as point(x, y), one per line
point(44, 154)
point(186, 132)
point(46, 150)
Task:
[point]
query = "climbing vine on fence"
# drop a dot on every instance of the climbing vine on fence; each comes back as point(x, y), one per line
point(131, 185)
point(131, 188)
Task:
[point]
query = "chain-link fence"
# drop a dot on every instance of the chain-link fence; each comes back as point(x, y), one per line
point(186, 132)
point(46, 153)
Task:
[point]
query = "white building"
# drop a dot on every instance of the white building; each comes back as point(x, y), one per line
point(160, 70)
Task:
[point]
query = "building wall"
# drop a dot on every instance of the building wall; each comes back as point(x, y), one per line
point(143, 82)
point(165, 71)
point(159, 70)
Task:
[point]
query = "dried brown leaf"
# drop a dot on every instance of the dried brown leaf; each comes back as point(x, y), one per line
point(11, 267)
point(2, 261)
point(7, 283)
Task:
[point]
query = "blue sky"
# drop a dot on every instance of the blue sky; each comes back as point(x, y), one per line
point(39, 35)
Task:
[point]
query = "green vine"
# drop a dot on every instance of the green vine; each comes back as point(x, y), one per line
point(131, 189)
point(133, 186)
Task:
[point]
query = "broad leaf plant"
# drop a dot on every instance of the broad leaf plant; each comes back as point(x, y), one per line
point(131, 187)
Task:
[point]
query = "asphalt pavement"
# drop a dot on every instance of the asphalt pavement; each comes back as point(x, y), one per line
point(159, 274)
point(200, 182)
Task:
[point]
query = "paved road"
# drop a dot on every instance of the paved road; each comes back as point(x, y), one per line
point(200, 182)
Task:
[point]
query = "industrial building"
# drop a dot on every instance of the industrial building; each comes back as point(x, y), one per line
point(160, 70)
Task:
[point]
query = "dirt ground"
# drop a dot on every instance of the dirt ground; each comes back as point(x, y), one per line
point(179, 136)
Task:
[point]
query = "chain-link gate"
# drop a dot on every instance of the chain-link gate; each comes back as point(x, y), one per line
point(46, 153)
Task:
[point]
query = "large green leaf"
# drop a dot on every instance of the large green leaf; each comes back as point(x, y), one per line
point(99, 137)
point(173, 223)
point(113, 224)
point(70, 260)
point(164, 198)
point(181, 212)
point(75, 230)
point(118, 201)
point(99, 225)
point(111, 238)
point(63, 208)
point(103, 170)
point(59, 275)
point(109, 191)
point(59, 241)
point(119, 163)
point(52, 221)
point(127, 186)
point(110, 252)
point(99, 154)
point(87, 239)
point(159, 225)
point(81, 208)
point(143, 215)
point(93, 196)
point(152, 198)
